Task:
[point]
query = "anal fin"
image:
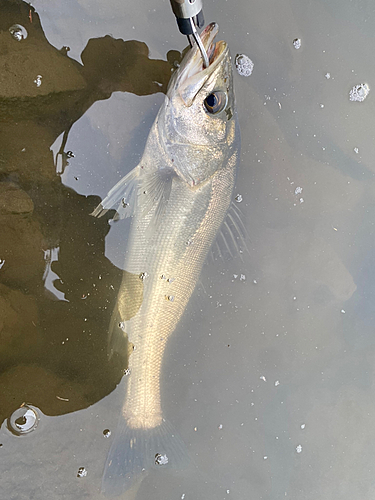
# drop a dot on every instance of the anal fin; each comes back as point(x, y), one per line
point(117, 341)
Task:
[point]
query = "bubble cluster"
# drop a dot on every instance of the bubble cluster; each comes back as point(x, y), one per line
point(244, 65)
point(23, 420)
point(359, 92)
point(297, 43)
point(18, 32)
point(82, 472)
point(38, 80)
point(161, 459)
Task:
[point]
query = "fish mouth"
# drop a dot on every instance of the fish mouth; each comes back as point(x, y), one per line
point(192, 67)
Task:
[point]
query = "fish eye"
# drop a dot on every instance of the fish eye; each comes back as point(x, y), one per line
point(215, 102)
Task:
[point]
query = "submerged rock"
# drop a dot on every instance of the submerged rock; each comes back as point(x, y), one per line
point(14, 200)
point(18, 320)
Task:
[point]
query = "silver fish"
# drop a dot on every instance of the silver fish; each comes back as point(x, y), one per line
point(178, 196)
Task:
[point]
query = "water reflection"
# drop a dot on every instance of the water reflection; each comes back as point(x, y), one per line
point(53, 352)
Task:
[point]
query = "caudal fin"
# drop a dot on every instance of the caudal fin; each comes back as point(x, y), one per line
point(136, 451)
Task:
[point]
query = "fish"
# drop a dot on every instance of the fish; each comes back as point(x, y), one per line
point(179, 196)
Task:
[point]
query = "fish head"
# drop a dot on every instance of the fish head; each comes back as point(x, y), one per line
point(198, 123)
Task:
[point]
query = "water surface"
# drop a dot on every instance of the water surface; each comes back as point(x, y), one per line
point(269, 377)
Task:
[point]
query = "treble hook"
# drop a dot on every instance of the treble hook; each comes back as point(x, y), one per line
point(198, 41)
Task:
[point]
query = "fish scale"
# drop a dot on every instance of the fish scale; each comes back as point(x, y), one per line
point(157, 318)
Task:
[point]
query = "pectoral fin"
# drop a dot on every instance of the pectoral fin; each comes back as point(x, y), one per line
point(154, 193)
point(122, 197)
point(149, 192)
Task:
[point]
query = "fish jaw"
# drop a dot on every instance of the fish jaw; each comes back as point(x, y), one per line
point(186, 128)
point(192, 63)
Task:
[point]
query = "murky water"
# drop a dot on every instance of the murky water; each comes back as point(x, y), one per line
point(269, 377)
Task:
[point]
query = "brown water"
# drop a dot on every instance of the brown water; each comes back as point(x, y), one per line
point(269, 377)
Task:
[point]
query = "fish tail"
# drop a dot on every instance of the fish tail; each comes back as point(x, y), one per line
point(134, 452)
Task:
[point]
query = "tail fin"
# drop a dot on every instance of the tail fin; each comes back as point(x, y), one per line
point(135, 451)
